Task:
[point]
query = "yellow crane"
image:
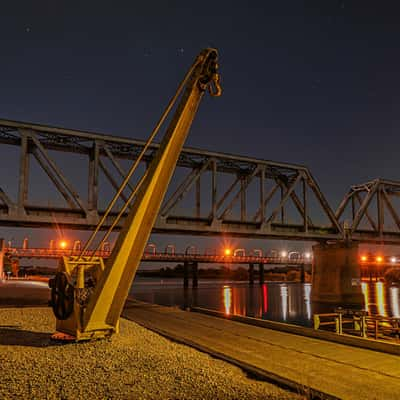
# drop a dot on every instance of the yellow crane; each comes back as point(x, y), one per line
point(88, 293)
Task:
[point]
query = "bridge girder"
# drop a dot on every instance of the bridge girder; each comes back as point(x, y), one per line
point(245, 197)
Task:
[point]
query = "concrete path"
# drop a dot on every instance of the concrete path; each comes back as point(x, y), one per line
point(337, 370)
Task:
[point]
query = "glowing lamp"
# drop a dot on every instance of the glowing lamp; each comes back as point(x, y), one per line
point(379, 259)
point(227, 252)
point(393, 259)
point(63, 244)
point(283, 253)
point(307, 255)
point(363, 258)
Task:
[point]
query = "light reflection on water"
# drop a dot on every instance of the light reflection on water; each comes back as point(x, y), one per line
point(227, 299)
point(286, 302)
point(380, 298)
point(394, 302)
point(284, 299)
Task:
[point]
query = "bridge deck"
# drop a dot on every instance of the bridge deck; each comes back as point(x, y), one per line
point(334, 369)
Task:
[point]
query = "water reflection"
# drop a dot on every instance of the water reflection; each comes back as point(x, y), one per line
point(265, 297)
point(307, 300)
point(365, 291)
point(227, 292)
point(394, 301)
point(380, 299)
point(285, 302)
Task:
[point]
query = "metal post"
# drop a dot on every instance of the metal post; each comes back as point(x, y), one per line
point(262, 194)
point(214, 190)
point(381, 213)
point(261, 273)
point(363, 326)
point(23, 173)
point(185, 274)
point(305, 207)
point(198, 197)
point(1, 259)
point(15, 268)
point(251, 274)
point(93, 177)
point(195, 279)
point(243, 198)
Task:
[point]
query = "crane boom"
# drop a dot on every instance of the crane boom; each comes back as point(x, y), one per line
point(98, 289)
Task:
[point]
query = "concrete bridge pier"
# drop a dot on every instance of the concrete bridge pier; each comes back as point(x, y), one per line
point(195, 275)
point(251, 274)
point(185, 274)
point(261, 273)
point(302, 274)
point(336, 277)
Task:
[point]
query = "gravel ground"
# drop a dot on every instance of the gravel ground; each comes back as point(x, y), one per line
point(136, 364)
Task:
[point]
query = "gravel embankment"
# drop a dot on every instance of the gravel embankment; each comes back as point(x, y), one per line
point(136, 364)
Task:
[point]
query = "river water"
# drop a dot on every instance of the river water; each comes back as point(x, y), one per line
point(278, 301)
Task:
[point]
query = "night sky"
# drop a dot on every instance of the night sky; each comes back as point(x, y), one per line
point(315, 82)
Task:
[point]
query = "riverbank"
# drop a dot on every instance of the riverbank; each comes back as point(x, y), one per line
point(136, 364)
point(22, 293)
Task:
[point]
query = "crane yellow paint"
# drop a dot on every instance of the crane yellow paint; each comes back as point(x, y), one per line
point(88, 294)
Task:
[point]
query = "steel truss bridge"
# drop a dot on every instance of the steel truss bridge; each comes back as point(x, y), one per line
point(211, 193)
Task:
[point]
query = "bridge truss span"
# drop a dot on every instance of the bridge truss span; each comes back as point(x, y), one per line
point(372, 211)
point(246, 196)
point(211, 193)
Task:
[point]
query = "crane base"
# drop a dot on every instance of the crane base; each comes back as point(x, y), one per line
point(63, 337)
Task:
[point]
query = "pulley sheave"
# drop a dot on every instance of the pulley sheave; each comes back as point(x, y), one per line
point(62, 296)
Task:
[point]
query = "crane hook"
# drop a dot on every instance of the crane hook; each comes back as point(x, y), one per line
point(214, 88)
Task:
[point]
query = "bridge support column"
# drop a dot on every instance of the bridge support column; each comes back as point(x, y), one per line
point(251, 274)
point(302, 274)
point(195, 276)
point(261, 273)
point(2, 259)
point(336, 277)
point(185, 274)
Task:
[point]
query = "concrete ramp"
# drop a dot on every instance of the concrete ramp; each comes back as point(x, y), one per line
point(306, 365)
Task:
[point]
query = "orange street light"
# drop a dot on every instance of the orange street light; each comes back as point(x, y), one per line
point(227, 252)
point(379, 259)
point(363, 258)
point(63, 244)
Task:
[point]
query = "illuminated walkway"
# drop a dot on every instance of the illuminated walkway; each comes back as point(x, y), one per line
point(337, 370)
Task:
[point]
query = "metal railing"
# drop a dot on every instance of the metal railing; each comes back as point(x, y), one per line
point(359, 323)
